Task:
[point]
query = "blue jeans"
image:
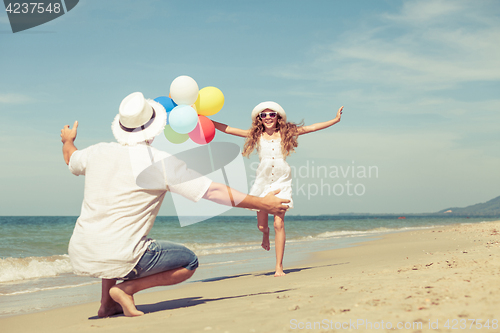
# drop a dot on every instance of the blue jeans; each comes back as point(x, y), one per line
point(162, 256)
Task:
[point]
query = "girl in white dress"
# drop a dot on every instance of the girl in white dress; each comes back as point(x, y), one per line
point(275, 139)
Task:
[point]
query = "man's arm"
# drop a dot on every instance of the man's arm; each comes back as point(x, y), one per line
point(68, 136)
point(225, 195)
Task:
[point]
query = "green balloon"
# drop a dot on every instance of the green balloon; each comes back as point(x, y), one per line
point(173, 136)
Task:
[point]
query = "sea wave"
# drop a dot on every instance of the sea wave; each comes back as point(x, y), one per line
point(357, 233)
point(221, 248)
point(34, 290)
point(203, 249)
point(18, 269)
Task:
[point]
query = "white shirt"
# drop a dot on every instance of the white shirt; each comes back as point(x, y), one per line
point(124, 189)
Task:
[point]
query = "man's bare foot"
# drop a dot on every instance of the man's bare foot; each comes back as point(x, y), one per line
point(125, 300)
point(265, 240)
point(108, 310)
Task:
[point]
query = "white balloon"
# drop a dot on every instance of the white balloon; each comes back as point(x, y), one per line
point(184, 90)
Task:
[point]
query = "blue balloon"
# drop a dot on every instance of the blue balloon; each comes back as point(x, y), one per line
point(183, 119)
point(167, 103)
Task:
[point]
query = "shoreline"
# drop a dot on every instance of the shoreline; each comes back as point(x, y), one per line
point(425, 276)
point(57, 297)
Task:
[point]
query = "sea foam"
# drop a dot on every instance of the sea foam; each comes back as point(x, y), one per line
point(18, 269)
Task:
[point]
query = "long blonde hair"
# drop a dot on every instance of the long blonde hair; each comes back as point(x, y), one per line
point(288, 131)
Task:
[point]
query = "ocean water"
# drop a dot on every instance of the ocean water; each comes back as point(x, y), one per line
point(36, 274)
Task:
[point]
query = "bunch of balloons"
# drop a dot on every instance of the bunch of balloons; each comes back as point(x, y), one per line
point(187, 110)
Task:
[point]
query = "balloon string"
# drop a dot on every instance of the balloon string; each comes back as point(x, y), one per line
point(211, 158)
point(226, 181)
point(228, 188)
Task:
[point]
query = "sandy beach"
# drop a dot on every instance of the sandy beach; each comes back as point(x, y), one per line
point(444, 279)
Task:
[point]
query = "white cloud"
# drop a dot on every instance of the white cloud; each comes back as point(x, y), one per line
point(428, 45)
point(485, 111)
point(15, 99)
point(420, 12)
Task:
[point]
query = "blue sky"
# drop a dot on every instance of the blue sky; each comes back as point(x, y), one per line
point(419, 81)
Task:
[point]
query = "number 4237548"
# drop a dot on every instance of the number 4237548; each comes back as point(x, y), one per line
point(462, 324)
point(32, 8)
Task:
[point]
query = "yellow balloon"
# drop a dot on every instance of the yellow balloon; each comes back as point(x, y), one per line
point(210, 101)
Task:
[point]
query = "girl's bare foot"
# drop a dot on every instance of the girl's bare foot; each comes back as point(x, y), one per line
point(279, 271)
point(265, 240)
point(125, 300)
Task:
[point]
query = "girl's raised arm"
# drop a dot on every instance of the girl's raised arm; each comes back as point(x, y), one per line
point(320, 126)
point(230, 130)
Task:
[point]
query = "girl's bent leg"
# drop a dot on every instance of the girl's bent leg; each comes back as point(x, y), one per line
point(279, 241)
point(262, 224)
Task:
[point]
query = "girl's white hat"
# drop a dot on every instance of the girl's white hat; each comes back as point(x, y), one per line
point(271, 106)
point(138, 120)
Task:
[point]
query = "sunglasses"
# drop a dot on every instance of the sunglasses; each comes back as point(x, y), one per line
point(265, 114)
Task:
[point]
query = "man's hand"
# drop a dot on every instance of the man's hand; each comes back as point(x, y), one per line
point(68, 136)
point(274, 205)
point(225, 195)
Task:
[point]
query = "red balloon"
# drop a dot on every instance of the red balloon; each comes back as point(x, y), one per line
point(204, 131)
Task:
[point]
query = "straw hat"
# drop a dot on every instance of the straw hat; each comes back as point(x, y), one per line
point(138, 120)
point(271, 106)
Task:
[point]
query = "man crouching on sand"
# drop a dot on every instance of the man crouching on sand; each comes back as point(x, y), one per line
point(110, 239)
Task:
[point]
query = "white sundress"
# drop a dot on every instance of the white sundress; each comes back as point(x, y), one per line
point(273, 172)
